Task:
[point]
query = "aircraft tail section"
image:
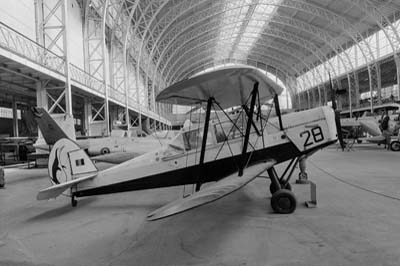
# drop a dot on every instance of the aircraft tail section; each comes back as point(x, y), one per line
point(371, 126)
point(51, 130)
point(68, 166)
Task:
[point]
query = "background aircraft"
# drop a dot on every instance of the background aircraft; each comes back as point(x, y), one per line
point(233, 153)
point(367, 128)
point(114, 149)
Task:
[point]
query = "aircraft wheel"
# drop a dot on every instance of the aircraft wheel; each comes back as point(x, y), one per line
point(74, 202)
point(273, 188)
point(395, 145)
point(283, 201)
point(105, 151)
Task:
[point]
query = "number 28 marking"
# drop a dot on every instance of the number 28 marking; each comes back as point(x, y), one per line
point(315, 132)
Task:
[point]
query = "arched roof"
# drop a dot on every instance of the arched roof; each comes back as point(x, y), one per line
point(173, 39)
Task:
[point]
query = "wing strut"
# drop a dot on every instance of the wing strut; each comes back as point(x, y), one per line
point(254, 94)
point(204, 142)
point(246, 109)
point(278, 111)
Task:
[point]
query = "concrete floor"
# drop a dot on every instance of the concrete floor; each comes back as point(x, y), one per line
point(353, 224)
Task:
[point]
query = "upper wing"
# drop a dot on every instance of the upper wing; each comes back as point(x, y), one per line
point(212, 193)
point(229, 86)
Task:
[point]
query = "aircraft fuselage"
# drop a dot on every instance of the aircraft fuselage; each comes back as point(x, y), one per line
point(177, 164)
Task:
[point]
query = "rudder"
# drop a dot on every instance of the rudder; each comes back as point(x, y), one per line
point(68, 162)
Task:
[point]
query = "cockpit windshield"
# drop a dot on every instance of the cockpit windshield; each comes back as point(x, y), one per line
point(193, 139)
point(190, 140)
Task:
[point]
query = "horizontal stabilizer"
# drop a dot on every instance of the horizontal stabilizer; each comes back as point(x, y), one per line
point(115, 157)
point(56, 190)
point(212, 193)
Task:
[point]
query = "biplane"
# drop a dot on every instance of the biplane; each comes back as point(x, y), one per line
point(230, 152)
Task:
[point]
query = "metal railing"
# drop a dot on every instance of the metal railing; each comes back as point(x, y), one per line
point(116, 95)
point(85, 79)
point(21, 45)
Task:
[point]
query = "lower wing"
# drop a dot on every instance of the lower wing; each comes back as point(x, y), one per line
point(220, 189)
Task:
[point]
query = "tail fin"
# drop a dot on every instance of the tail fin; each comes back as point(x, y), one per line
point(51, 130)
point(68, 166)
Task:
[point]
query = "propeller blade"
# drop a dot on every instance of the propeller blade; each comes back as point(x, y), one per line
point(337, 115)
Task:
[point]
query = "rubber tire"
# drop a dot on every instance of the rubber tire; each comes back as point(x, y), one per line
point(104, 151)
point(283, 201)
point(273, 188)
point(395, 145)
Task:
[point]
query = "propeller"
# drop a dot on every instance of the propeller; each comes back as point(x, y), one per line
point(337, 115)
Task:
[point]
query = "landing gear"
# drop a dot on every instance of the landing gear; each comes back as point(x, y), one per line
point(74, 202)
point(274, 188)
point(395, 145)
point(283, 201)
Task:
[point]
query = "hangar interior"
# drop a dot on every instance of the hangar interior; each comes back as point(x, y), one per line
point(100, 64)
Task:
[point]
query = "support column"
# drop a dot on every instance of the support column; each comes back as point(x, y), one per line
point(357, 89)
point(15, 118)
point(95, 49)
point(146, 125)
point(340, 100)
point(87, 106)
point(397, 62)
point(41, 95)
point(379, 82)
point(350, 84)
point(312, 97)
point(41, 101)
point(320, 102)
point(52, 32)
point(300, 95)
point(354, 91)
point(68, 94)
point(373, 82)
point(114, 115)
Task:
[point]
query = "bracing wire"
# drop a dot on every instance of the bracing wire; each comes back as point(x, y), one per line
point(225, 141)
point(187, 154)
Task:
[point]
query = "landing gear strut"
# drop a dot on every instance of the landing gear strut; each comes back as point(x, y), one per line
point(274, 188)
point(283, 200)
point(74, 202)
